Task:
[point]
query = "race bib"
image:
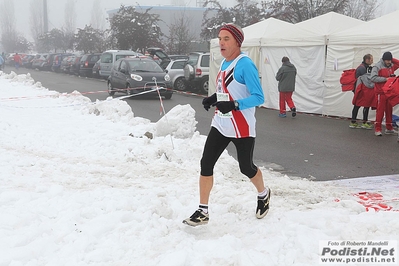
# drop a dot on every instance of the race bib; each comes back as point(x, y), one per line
point(222, 97)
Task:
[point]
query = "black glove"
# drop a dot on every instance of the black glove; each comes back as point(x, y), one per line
point(208, 101)
point(225, 106)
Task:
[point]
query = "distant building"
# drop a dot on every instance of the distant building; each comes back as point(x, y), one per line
point(169, 15)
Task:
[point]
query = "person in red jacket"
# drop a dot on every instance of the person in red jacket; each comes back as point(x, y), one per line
point(384, 69)
point(364, 93)
point(17, 60)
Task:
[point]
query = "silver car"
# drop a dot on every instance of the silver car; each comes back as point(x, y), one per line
point(109, 57)
point(175, 70)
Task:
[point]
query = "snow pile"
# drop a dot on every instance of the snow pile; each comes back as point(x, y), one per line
point(84, 184)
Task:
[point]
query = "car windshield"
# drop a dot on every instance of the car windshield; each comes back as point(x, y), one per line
point(193, 59)
point(144, 66)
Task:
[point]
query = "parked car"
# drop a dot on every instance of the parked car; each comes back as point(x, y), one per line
point(48, 63)
point(27, 60)
point(10, 59)
point(56, 67)
point(109, 57)
point(75, 65)
point(196, 71)
point(159, 56)
point(39, 60)
point(86, 64)
point(66, 64)
point(139, 74)
point(176, 56)
point(175, 70)
point(96, 69)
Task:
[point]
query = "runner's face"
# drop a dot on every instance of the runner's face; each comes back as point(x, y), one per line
point(369, 61)
point(229, 47)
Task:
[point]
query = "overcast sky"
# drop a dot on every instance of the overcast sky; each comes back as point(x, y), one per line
point(84, 8)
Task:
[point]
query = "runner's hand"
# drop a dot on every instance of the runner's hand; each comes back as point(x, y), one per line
point(225, 106)
point(208, 101)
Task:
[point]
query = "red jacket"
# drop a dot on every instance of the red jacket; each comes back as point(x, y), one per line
point(380, 73)
point(17, 59)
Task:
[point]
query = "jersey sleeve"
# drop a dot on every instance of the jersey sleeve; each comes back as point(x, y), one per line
point(247, 73)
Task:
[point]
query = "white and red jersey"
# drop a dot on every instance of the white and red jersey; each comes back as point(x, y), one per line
point(240, 123)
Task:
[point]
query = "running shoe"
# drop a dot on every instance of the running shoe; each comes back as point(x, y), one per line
point(198, 218)
point(263, 206)
point(293, 112)
point(390, 132)
point(367, 126)
point(354, 125)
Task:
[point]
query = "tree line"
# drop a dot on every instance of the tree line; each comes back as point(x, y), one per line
point(134, 30)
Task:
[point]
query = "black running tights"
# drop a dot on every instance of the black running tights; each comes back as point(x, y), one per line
point(216, 143)
point(355, 110)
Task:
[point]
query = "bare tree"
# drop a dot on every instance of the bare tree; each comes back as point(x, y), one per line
point(299, 10)
point(180, 36)
point(36, 19)
point(9, 34)
point(244, 13)
point(7, 18)
point(362, 9)
point(97, 20)
point(70, 17)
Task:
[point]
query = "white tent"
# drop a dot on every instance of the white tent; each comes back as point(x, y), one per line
point(266, 43)
point(346, 49)
point(329, 23)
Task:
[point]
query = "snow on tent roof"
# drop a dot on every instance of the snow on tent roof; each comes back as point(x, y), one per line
point(281, 33)
point(379, 31)
point(329, 23)
point(275, 32)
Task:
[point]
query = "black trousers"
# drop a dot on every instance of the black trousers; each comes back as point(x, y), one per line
point(216, 143)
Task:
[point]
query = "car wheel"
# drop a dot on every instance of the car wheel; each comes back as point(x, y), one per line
point(129, 90)
point(180, 84)
point(168, 96)
point(111, 90)
point(205, 85)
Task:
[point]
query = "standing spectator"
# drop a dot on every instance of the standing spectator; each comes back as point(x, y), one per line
point(364, 93)
point(17, 60)
point(286, 86)
point(238, 92)
point(384, 69)
point(1, 62)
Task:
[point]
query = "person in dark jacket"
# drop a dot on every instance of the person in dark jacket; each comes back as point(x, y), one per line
point(286, 86)
point(384, 69)
point(364, 93)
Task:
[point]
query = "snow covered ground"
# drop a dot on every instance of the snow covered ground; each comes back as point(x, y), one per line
point(82, 184)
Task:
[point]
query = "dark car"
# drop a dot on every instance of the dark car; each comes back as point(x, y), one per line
point(86, 64)
point(138, 75)
point(48, 63)
point(56, 67)
point(96, 69)
point(66, 64)
point(75, 66)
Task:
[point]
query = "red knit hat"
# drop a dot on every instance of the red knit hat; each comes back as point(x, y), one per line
point(236, 31)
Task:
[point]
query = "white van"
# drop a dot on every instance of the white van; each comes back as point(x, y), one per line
point(108, 59)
